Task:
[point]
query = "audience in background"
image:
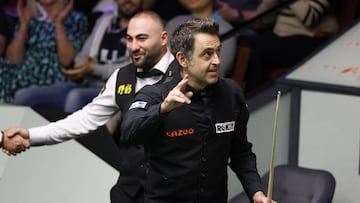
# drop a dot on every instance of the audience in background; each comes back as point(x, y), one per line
point(205, 9)
point(303, 25)
point(299, 29)
point(103, 52)
point(47, 37)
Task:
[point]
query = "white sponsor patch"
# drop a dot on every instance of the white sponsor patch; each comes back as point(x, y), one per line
point(138, 104)
point(225, 127)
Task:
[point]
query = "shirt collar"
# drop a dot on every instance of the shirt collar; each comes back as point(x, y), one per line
point(164, 62)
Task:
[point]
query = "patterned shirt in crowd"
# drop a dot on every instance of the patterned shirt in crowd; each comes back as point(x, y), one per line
point(41, 65)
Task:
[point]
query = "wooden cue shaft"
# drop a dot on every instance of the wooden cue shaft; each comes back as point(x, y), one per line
point(271, 172)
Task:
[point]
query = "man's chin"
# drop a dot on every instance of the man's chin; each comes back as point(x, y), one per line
point(213, 80)
point(138, 63)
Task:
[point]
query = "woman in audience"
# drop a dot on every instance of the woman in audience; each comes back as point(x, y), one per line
point(47, 38)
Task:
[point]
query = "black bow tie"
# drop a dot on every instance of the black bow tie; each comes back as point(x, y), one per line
point(148, 74)
point(200, 94)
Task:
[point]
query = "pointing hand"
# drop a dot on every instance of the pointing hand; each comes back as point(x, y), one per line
point(177, 96)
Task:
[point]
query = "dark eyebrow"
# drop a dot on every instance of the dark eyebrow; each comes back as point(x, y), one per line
point(207, 50)
point(137, 36)
point(210, 50)
point(142, 35)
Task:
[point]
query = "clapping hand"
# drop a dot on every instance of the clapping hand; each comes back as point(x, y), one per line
point(80, 70)
point(16, 140)
point(24, 12)
point(65, 12)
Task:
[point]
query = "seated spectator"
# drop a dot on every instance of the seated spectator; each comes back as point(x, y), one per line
point(298, 30)
point(48, 36)
point(8, 20)
point(205, 9)
point(236, 11)
point(103, 52)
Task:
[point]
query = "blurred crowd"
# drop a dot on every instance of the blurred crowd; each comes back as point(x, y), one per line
point(58, 54)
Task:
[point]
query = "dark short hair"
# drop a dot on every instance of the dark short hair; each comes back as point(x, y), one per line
point(182, 39)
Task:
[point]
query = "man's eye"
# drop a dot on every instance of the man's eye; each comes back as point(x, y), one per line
point(207, 54)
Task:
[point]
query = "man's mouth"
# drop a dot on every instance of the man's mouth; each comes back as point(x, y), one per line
point(137, 56)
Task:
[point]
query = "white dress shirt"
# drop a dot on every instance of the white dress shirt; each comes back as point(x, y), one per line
point(94, 114)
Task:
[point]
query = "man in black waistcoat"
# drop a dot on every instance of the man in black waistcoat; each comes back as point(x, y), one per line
point(193, 125)
point(152, 63)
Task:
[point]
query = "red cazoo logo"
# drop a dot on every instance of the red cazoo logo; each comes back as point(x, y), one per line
point(179, 133)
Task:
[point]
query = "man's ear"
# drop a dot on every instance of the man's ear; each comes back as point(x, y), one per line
point(164, 37)
point(182, 60)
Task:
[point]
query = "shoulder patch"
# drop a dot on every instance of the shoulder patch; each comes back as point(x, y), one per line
point(138, 105)
point(225, 127)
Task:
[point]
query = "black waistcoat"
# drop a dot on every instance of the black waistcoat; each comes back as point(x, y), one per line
point(132, 157)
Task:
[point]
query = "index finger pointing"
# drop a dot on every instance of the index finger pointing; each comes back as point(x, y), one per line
point(182, 84)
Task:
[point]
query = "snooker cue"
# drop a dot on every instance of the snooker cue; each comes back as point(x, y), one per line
point(271, 173)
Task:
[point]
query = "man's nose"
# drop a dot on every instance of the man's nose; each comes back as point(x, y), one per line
point(134, 46)
point(216, 59)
